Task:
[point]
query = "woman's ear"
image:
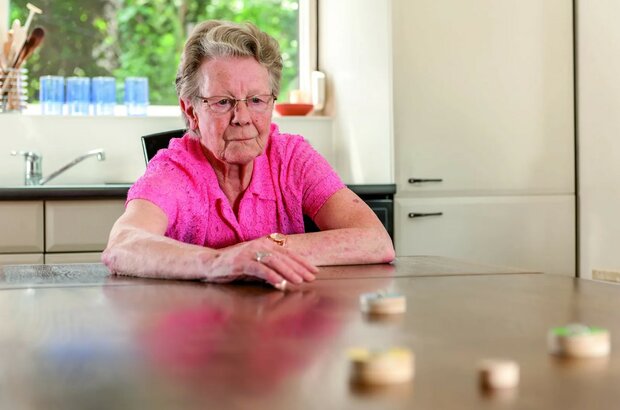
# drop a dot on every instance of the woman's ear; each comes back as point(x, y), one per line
point(190, 113)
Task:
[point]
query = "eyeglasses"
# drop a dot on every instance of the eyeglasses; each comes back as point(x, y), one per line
point(255, 103)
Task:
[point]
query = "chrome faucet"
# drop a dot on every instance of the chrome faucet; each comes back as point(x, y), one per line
point(33, 173)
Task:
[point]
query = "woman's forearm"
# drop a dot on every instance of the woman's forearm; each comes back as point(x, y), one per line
point(137, 252)
point(344, 246)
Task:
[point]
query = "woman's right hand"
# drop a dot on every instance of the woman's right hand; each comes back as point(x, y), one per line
point(263, 259)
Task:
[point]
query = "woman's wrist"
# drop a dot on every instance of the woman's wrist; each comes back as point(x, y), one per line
point(207, 258)
point(277, 238)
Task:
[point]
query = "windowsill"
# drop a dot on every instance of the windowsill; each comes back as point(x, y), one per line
point(159, 111)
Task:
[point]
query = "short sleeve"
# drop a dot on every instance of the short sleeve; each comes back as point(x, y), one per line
point(161, 184)
point(309, 171)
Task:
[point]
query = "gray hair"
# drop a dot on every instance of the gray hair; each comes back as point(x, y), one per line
point(212, 39)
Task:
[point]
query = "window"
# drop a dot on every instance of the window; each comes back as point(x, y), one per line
point(123, 38)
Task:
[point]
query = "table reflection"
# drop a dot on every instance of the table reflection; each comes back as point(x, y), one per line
point(238, 338)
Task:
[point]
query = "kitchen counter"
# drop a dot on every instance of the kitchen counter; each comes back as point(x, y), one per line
point(64, 192)
point(119, 190)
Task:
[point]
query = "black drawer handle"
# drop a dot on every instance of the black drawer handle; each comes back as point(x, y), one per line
point(422, 180)
point(423, 214)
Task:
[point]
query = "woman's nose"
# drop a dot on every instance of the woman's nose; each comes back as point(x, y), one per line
point(241, 114)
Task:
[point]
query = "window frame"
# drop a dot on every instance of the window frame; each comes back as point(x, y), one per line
point(308, 39)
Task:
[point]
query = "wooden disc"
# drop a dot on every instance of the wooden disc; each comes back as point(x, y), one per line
point(390, 366)
point(383, 303)
point(498, 373)
point(579, 341)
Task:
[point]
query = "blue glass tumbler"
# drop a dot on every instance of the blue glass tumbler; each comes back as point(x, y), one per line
point(103, 95)
point(136, 95)
point(78, 95)
point(51, 94)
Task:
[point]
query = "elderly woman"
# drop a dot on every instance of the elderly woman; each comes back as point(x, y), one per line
point(227, 200)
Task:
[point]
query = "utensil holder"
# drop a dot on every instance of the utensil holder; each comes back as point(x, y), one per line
point(13, 90)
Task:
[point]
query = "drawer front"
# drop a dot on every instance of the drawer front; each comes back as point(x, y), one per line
point(81, 257)
point(533, 233)
point(21, 259)
point(22, 226)
point(80, 226)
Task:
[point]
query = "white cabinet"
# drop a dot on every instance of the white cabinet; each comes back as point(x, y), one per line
point(56, 231)
point(81, 225)
point(21, 225)
point(483, 108)
point(21, 232)
point(523, 232)
point(75, 257)
point(483, 95)
point(21, 258)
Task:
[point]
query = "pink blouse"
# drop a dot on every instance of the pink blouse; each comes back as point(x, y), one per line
point(289, 179)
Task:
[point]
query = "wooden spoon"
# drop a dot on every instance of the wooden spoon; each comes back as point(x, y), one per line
point(19, 36)
point(33, 42)
point(21, 33)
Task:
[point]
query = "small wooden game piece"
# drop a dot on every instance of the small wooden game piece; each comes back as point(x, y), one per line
point(498, 374)
point(579, 341)
point(383, 303)
point(390, 366)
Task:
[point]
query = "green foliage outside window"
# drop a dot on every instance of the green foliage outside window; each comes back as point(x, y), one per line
point(123, 38)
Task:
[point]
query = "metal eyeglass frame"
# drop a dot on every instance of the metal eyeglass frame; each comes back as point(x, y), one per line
point(205, 100)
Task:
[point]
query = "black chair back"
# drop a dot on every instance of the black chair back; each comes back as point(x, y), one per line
point(154, 142)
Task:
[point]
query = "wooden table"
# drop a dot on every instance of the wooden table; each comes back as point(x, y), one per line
point(73, 336)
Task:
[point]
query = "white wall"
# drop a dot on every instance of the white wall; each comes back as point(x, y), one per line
point(355, 53)
point(598, 68)
point(60, 139)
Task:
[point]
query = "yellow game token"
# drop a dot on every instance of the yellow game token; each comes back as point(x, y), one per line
point(390, 366)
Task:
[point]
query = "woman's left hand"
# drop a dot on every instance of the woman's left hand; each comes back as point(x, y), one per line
point(263, 259)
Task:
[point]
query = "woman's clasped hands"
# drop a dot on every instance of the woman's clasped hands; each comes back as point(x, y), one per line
point(262, 259)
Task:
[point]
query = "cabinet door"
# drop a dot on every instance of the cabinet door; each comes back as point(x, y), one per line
point(483, 95)
point(81, 257)
point(21, 225)
point(534, 233)
point(21, 259)
point(82, 225)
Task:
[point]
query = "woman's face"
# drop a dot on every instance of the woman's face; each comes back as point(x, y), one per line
point(240, 135)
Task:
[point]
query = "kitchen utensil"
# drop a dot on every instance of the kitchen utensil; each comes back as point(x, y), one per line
point(19, 36)
point(33, 42)
point(21, 33)
point(3, 62)
point(33, 10)
point(6, 46)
